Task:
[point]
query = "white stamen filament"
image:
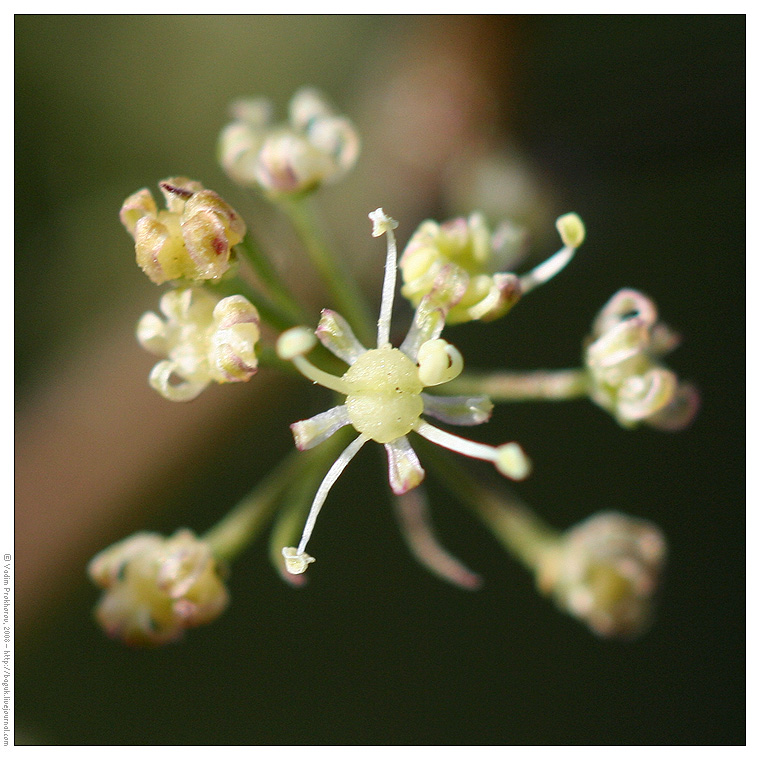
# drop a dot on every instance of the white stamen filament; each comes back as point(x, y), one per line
point(544, 272)
point(455, 443)
point(329, 480)
point(384, 224)
point(319, 376)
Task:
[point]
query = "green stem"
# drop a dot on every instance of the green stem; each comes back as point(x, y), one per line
point(240, 526)
point(542, 385)
point(520, 530)
point(339, 282)
point(280, 295)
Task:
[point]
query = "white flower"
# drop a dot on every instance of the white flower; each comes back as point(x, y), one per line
point(203, 340)
point(384, 394)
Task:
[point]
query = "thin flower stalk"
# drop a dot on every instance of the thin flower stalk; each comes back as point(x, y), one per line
point(541, 385)
point(243, 523)
point(337, 279)
point(276, 289)
point(520, 530)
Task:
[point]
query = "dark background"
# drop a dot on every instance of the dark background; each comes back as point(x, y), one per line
point(636, 123)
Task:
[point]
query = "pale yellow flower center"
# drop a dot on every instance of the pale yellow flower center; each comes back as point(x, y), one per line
point(384, 399)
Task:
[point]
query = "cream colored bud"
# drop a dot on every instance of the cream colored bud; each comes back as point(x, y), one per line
point(572, 230)
point(296, 341)
point(439, 362)
point(458, 264)
point(313, 148)
point(626, 375)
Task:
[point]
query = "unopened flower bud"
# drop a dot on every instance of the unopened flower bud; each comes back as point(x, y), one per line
point(313, 148)
point(605, 572)
point(202, 340)
point(157, 587)
point(192, 239)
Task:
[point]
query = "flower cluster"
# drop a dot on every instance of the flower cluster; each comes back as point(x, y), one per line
point(384, 399)
point(222, 287)
point(464, 267)
point(192, 239)
point(315, 146)
point(156, 587)
point(626, 375)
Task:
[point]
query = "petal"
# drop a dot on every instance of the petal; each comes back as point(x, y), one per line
point(624, 305)
point(311, 432)
point(679, 412)
point(458, 410)
point(336, 336)
point(135, 207)
point(642, 395)
point(151, 334)
point(404, 470)
point(187, 390)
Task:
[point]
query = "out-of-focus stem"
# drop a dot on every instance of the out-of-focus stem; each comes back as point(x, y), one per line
point(520, 530)
point(277, 290)
point(240, 526)
point(542, 385)
point(341, 285)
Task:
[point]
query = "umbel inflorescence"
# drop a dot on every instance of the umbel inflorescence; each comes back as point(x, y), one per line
point(603, 571)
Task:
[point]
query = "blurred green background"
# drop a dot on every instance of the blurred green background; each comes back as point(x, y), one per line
point(636, 123)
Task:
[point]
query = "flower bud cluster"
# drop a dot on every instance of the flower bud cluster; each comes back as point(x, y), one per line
point(605, 572)
point(626, 375)
point(156, 587)
point(461, 264)
point(192, 239)
point(202, 340)
point(314, 147)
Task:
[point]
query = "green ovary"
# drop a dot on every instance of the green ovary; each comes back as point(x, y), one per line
point(384, 398)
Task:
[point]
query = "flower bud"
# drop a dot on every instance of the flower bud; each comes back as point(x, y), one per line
point(296, 341)
point(439, 362)
point(313, 148)
point(605, 572)
point(626, 375)
point(457, 264)
point(202, 340)
point(192, 239)
point(156, 587)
